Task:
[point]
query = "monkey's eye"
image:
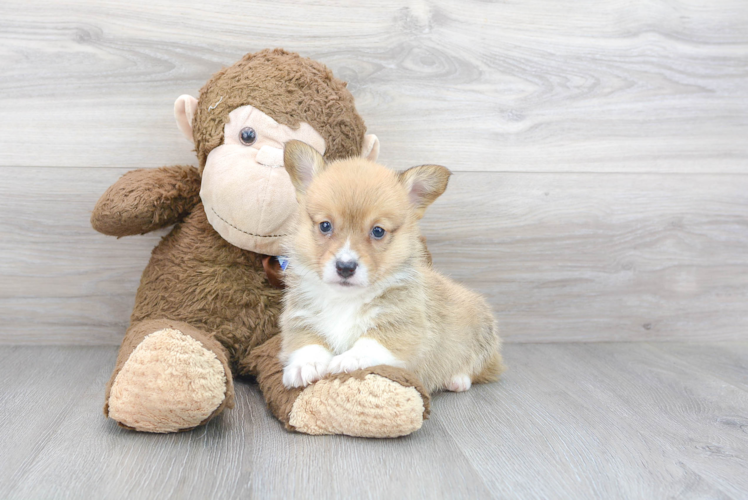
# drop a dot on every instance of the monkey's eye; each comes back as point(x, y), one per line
point(248, 136)
point(325, 227)
point(377, 233)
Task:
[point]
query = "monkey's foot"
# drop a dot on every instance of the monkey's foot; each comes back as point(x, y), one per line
point(381, 401)
point(169, 382)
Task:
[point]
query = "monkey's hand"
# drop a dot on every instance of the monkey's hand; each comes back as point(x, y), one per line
point(147, 199)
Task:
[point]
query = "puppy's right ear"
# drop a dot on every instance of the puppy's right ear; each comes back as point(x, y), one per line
point(302, 163)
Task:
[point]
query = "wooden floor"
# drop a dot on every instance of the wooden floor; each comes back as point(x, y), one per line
point(595, 420)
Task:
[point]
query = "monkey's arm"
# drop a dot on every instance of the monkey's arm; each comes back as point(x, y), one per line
point(147, 199)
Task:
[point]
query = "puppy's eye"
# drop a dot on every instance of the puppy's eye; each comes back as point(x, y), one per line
point(248, 136)
point(377, 233)
point(325, 227)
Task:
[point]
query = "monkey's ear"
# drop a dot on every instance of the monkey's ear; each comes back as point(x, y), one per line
point(302, 163)
point(370, 150)
point(184, 111)
point(424, 185)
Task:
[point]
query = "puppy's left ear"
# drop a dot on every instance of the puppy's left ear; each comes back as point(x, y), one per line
point(424, 185)
point(302, 163)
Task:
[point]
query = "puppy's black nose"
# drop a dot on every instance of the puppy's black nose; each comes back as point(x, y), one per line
point(346, 269)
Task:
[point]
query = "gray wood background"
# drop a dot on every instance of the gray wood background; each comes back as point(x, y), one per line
point(600, 149)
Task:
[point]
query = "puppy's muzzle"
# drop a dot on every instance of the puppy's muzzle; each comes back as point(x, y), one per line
point(345, 269)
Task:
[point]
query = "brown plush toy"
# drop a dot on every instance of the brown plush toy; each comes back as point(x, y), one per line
point(208, 304)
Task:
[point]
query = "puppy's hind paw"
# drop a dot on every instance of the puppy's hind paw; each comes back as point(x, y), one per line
point(306, 365)
point(459, 383)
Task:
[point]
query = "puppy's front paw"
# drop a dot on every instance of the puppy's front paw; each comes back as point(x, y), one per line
point(306, 365)
point(350, 361)
point(301, 375)
point(365, 352)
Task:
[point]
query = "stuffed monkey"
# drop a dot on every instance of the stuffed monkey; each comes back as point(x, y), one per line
point(209, 299)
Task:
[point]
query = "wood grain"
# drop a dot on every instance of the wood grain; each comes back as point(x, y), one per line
point(605, 420)
point(56, 270)
point(607, 413)
point(561, 257)
point(600, 148)
point(42, 390)
point(599, 256)
point(480, 86)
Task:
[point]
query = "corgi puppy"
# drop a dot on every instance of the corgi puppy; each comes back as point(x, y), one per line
point(359, 289)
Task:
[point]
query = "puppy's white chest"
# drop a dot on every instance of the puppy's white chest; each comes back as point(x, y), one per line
point(342, 321)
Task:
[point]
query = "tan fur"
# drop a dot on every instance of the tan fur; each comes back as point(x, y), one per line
point(437, 327)
point(491, 371)
point(300, 339)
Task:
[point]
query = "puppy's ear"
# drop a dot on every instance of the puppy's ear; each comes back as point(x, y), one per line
point(302, 163)
point(424, 184)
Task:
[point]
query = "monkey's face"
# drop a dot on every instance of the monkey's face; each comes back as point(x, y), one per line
point(247, 194)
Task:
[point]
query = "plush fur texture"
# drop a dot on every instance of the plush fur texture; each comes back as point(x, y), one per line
point(287, 87)
point(393, 308)
point(391, 403)
point(156, 413)
point(372, 403)
point(197, 277)
point(170, 382)
point(146, 200)
point(215, 295)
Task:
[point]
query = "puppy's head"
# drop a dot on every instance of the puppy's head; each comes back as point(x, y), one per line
point(357, 221)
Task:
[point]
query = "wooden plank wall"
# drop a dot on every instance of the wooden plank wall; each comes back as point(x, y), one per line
point(600, 149)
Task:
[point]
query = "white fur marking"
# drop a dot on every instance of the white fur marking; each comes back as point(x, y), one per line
point(341, 315)
point(306, 365)
point(329, 273)
point(346, 254)
point(458, 383)
point(365, 352)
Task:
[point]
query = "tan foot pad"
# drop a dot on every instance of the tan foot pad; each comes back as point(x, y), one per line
point(169, 383)
point(367, 406)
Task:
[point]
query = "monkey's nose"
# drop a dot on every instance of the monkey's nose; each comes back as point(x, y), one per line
point(346, 268)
